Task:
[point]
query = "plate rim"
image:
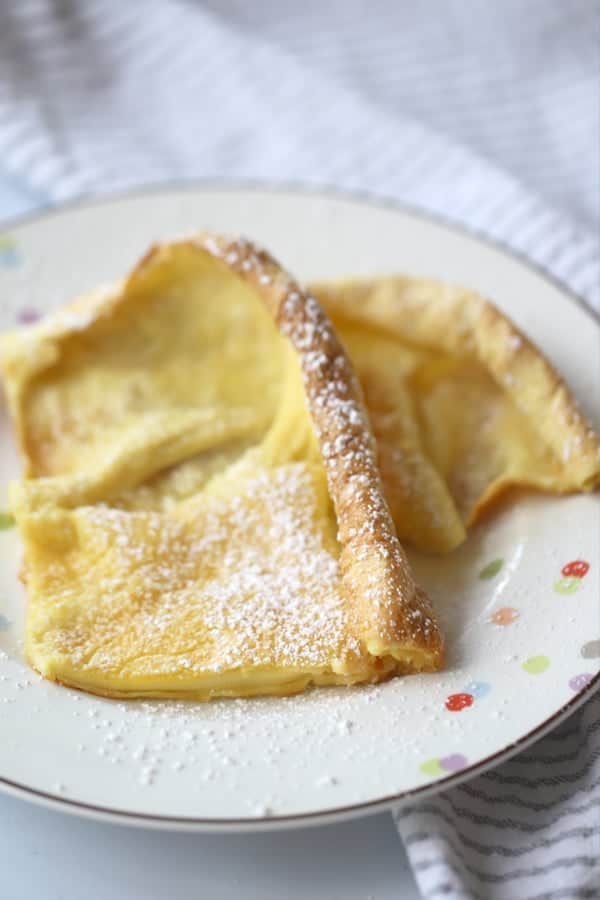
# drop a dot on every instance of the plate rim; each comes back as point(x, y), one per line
point(91, 199)
point(109, 814)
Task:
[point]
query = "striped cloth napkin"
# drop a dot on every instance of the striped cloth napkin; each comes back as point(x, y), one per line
point(97, 96)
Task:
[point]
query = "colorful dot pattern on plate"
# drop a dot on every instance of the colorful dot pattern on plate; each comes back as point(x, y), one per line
point(478, 689)
point(491, 569)
point(579, 682)
point(443, 766)
point(6, 521)
point(591, 650)
point(572, 573)
point(28, 316)
point(576, 569)
point(506, 615)
point(9, 254)
point(475, 690)
point(454, 763)
point(456, 702)
point(567, 585)
point(535, 665)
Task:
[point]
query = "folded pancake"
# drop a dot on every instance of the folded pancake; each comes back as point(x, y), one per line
point(462, 404)
point(202, 512)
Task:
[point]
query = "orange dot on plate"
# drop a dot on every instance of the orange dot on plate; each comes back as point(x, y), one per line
point(506, 615)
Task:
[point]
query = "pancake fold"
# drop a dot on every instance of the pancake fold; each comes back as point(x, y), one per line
point(201, 510)
point(462, 404)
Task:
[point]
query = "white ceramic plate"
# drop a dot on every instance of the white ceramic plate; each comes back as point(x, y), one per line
point(524, 642)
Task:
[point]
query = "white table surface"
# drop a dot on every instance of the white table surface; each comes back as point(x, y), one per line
point(62, 857)
point(59, 857)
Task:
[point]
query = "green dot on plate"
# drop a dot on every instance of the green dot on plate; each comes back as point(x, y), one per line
point(535, 665)
point(567, 585)
point(6, 520)
point(431, 767)
point(492, 568)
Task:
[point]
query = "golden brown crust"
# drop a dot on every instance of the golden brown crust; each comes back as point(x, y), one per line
point(20, 364)
point(391, 610)
point(390, 615)
point(461, 322)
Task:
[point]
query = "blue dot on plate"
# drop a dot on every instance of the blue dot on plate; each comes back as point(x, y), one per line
point(4, 623)
point(478, 688)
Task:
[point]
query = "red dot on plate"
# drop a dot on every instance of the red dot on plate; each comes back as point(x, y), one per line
point(456, 702)
point(576, 569)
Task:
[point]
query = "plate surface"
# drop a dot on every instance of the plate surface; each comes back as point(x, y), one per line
point(523, 639)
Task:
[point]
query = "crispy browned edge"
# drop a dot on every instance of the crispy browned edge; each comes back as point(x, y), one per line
point(374, 569)
point(467, 323)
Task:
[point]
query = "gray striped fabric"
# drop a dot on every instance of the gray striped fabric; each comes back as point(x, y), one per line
point(503, 78)
point(527, 829)
point(98, 96)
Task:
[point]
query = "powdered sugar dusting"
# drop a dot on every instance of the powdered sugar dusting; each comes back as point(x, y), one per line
point(394, 609)
point(241, 582)
point(379, 580)
point(247, 579)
